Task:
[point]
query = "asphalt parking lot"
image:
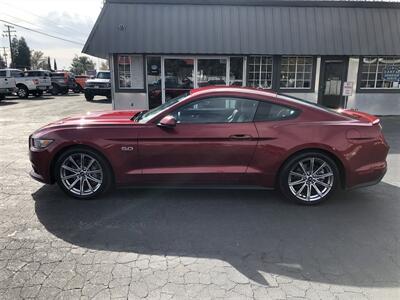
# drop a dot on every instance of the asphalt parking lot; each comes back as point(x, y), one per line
point(182, 244)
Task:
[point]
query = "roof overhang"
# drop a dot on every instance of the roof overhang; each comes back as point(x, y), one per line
point(257, 27)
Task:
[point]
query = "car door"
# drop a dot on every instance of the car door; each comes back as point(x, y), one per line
point(212, 143)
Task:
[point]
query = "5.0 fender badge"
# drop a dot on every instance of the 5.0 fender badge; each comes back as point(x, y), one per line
point(126, 148)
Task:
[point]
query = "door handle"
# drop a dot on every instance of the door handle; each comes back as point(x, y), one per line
point(240, 137)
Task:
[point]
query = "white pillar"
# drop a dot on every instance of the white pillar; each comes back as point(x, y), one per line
point(352, 74)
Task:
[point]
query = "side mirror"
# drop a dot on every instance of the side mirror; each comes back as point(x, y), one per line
point(167, 122)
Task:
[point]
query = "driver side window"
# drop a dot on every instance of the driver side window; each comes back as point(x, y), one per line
point(217, 110)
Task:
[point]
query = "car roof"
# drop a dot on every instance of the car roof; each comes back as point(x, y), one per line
point(233, 89)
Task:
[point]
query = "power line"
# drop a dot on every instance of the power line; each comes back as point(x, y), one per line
point(30, 23)
point(43, 33)
point(19, 8)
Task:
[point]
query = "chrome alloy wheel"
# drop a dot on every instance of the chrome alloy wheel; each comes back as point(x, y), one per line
point(81, 174)
point(311, 179)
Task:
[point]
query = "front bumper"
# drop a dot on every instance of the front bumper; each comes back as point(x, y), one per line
point(98, 91)
point(40, 161)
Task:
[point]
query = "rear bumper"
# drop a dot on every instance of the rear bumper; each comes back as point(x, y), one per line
point(367, 176)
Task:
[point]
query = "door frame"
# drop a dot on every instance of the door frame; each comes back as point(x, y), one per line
point(324, 60)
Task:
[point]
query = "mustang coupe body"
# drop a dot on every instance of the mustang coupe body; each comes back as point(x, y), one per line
point(214, 136)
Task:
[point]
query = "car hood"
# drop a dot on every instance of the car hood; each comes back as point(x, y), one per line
point(98, 80)
point(115, 117)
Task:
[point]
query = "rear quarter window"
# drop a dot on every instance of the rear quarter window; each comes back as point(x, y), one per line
point(267, 111)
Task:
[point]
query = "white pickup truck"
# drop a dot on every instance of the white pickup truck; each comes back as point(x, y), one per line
point(29, 82)
point(7, 85)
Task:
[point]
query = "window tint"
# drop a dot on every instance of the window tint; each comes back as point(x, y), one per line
point(273, 112)
point(217, 110)
point(3, 74)
point(17, 74)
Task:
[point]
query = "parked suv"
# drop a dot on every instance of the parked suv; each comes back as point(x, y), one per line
point(7, 85)
point(99, 86)
point(62, 82)
point(30, 82)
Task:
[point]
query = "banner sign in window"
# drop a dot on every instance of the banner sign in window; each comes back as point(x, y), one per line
point(391, 73)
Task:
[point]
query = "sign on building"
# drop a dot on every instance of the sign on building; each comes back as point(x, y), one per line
point(391, 73)
point(347, 88)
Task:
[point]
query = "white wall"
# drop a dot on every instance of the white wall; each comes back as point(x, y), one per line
point(130, 101)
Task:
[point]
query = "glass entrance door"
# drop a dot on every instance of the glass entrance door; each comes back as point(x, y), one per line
point(333, 76)
point(178, 77)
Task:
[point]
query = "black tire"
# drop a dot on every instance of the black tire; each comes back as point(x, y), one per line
point(38, 93)
point(2, 97)
point(54, 90)
point(22, 92)
point(106, 179)
point(108, 97)
point(64, 91)
point(312, 182)
point(89, 96)
point(77, 89)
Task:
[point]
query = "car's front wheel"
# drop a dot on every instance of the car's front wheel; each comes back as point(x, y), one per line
point(82, 173)
point(309, 178)
point(89, 96)
point(22, 92)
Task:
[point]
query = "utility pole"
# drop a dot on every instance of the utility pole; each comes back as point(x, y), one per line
point(5, 55)
point(7, 33)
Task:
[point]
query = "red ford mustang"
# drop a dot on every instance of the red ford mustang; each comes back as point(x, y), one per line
point(214, 136)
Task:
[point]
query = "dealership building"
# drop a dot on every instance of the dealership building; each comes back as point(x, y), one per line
point(336, 53)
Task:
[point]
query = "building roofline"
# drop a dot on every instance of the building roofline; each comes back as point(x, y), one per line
point(293, 3)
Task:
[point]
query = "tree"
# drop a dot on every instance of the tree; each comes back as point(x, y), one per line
point(21, 54)
point(55, 65)
point(81, 64)
point(38, 60)
point(2, 63)
point(104, 65)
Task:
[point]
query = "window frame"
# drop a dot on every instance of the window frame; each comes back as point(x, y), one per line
point(273, 72)
point(118, 89)
point(294, 116)
point(207, 123)
point(361, 90)
point(311, 89)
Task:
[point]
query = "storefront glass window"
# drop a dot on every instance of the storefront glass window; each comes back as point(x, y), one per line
point(296, 72)
point(154, 81)
point(130, 72)
point(373, 69)
point(236, 71)
point(211, 71)
point(259, 71)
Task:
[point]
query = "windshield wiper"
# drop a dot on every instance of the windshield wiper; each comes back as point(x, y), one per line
point(138, 116)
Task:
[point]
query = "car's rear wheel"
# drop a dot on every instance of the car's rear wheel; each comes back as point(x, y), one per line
point(82, 173)
point(54, 90)
point(309, 178)
point(38, 93)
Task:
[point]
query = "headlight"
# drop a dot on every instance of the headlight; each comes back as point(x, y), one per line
point(41, 143)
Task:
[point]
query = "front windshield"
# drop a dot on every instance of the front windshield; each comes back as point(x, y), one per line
point(103, 75)
point(159, 109)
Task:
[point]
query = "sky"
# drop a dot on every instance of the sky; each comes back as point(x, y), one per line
point(68, 19)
